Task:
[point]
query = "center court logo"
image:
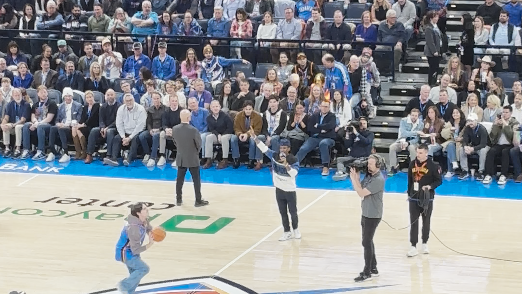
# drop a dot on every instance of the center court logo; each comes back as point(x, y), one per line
point(217, 285)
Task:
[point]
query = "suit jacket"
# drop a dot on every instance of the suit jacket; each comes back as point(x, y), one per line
point(50, 82)
point(188, 144)
point(76, 82)
point(432, 42)
point(76, 112)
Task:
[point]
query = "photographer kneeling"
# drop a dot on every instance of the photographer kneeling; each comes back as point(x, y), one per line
point(358, 141)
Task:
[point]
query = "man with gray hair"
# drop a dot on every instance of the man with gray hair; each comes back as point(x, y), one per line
point(393, 32)
point(218, 26)
point(131, 120)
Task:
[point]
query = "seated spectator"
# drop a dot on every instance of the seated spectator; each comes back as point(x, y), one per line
point(343, 113)
point(166, 25)
point(84, 64)
point(304, 9)
point(288, 28)
point(266, 30)
point(170, 120)
point(359, 142)
point(24, 79)
point(110, 6)
point(131, 120)
point(27, 20)
point(297, 129)
point(35, 64)
point(366, 31)
point(496, 87)
point(99, 21)
point(14, 56)
point(134, 63)
point(69, 114)
point(474, 141)
point(493, 109)
point(213, 67)
point(7, 91)
point(16, 113)
point(471, 106)
point(218, 26)
point(45, 77)
point(452, 132)
point(261, 101)
point(514, 8)
point(203, 97)
point(126, 89)
point(230, 7)
point(409, 129)
point(481, 35)
point(501, 137)
point(50, 19)
point(189, 26)
point(163, 65)
point(71, 78)
point(359, 85)
point(458, 76)
point(430, 134)
point(244, 121)
point(294, 81)
point(145, 22)
point(207, 8)
point(313, 102)
point(89, 120)
point(271, 78)
point(244, 95)
point(444, 85)
point(221, 131)
point(517, 89)
point(120, 23)
point(490, 12)
point(283, 67)
point(502, 34)
point(289, 103)
point(379, 11)
point(225, 96)
point(306, 70)
point(336, 76)
point(180, 7)
point(75, 22)
point(462, 97)
point(4, 72)
point(96, 82)
point(515, 159)
point(257, 9)
point(146, 99)
point(483, 76)
point(111, 62)
point(444, 106)
point(517, 108)
point(393, 32)
point(199, 120)
point(107, 125)
point(43, 116)
point(144, 75)
point(406, 14)
point(151, 134)
point(172, 88)
point(241, 28)
point(191, 67)
point(252, 86)
point(64, 54)
point(274, 123)
point(321, 127)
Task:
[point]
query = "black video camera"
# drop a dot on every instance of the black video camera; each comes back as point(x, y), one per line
point(359, 165)
point(353, 125)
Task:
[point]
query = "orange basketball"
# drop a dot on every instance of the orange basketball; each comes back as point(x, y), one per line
point(158, 234)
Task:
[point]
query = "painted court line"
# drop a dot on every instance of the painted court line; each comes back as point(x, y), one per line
point(27, 180)
point(267, 236)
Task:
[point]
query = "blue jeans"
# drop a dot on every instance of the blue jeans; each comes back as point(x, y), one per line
point(311, 143)
point(137, 270)
point(145, 137)
point(234, 145)
point(95, 134)
point(253, 152)
point(451, 151)
point(117, 145)
point(42, 131)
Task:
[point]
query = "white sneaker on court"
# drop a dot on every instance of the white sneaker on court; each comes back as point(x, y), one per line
point(425, 249)
point(412, 252)
point(146, 158)
point(297, 234)
point(286, 236)
point(161, 161)
point(120, 291)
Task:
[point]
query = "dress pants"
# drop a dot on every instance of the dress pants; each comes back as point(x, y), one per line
point(369, 226)
point(415, 213)
point(287, 203)
point(491, 167)
point(196, 179)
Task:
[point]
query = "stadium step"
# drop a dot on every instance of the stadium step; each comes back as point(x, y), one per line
point(454, 25)
point(385, 132)
point(418, 56)
point(388, 110)
point(457, 14)
point(388, 100)
point(460, 5)
point(380, 121)
point(417, 67)
point(404, 90)
point(382, 145)
point(410, 78)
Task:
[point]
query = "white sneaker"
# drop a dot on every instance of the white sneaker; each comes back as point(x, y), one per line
point(455, 165)
point(50, 157)
point(425, 249)
point(120, 291)
point(151, 163)
point(297, 234)
point(146, 159)
point(412, 252)
point(65, 158)
point(502, 180)
point(161, 161)
point(286, 236)
point(449, 175)
point(487, 180)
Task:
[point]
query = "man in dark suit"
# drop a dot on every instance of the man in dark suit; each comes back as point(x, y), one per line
point(188, 144)
point(71, 78)
point(46, 76)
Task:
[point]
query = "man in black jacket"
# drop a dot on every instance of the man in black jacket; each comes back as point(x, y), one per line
point(421, 103)
point(305, 69)
point(444, 106)
point(321, 126)
point(358, 141)
point(423, 178)
point(221, 130)
point(107, 128)
point(170, 119)
point(474, 141)
point(71, 78)
point(152, 133)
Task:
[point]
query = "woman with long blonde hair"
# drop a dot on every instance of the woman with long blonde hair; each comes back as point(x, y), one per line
point(96, 81)
point(314, 100)
point(458, 77)
point(88, 121)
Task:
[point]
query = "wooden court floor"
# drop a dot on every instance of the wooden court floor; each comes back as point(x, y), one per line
point(59, 233)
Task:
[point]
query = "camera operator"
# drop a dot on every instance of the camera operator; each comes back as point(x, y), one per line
point(358, 141)
point(371, 192)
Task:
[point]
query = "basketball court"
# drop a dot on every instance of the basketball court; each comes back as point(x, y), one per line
point(59, 234)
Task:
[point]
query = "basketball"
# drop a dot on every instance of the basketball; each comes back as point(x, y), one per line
point(158, 234)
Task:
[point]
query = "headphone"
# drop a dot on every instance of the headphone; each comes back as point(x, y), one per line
point(379, 160)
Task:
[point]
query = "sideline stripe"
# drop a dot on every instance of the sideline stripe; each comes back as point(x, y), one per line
point(27, 180)
point(268, 236)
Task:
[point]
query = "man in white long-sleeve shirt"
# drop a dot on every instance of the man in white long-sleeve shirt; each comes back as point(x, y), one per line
point(285, 167)
point(131, 120)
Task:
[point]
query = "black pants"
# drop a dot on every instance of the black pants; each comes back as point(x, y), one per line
point(433, 70)
point(491, 167)
point(287, 202)
point(196, 179)
point(415, 212)
point(369, 226)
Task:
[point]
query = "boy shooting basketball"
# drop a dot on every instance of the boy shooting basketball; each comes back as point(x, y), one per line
point(285, 167)
point(130, 246)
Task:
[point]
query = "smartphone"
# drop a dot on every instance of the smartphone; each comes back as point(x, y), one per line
point(499, 116)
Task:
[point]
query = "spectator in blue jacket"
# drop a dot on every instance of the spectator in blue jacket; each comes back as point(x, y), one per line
point(199, 120)
point(133, 64)
point(303, 9)
point(24, 77)
point(163, 65)
point(145, 22)
point(167, 26)
point(514, 8)
point(336, 76)
point(218, 26)
point(189, 26)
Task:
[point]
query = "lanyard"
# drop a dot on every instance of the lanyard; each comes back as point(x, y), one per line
point(443, 109)
point(422, 107)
